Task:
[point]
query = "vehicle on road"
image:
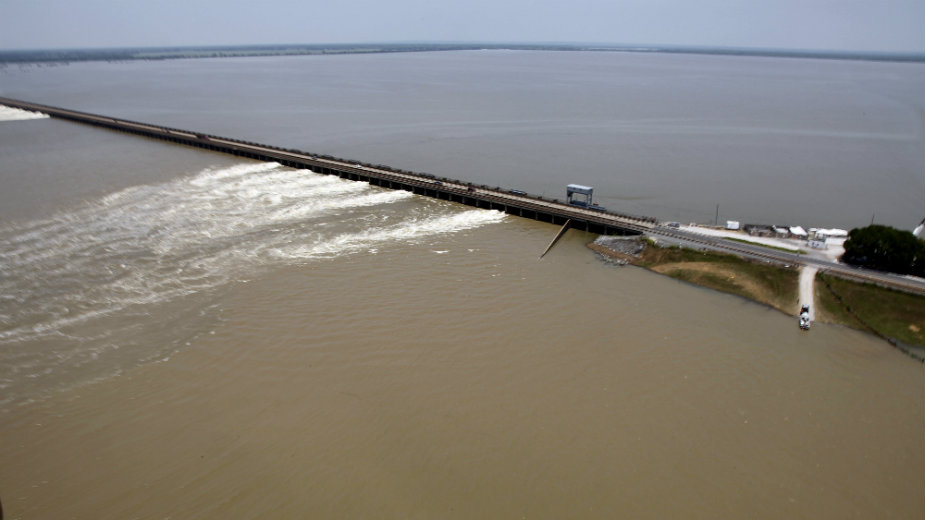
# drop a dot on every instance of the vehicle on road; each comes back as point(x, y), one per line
point(804, 317)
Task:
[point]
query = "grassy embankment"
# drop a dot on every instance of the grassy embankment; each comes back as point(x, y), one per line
point(885, 312)
point(890, 314)
point(759, 244)
point(777, 287)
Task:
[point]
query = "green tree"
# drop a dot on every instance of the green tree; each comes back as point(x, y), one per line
point(886, 249)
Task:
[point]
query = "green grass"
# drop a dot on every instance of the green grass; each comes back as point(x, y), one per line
point(655, 255)
point(889, 313)
point(776, 248)
point(712, 281)
point(775, 286)
point(833, 309)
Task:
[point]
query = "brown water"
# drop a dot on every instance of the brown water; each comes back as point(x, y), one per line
point(481, 382)
point(816, 143)
point(183, 334)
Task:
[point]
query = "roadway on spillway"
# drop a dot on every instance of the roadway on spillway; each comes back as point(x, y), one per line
point(440, 187)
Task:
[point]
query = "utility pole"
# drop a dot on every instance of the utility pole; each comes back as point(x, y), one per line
point(716, 218)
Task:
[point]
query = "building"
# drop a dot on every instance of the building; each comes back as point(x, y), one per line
point(781, 231)
point(577, 189)
point(798, 232)
point(758, 230)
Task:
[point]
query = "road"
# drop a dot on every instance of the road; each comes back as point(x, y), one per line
point(904, 283)
point(807, 279)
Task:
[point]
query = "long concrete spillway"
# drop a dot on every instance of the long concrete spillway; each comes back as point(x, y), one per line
point(519, 204)
point(537, 208)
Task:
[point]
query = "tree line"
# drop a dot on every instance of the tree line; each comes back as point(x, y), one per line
point(885, 248)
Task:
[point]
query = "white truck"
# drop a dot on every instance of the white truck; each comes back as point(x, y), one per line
point(804, 317)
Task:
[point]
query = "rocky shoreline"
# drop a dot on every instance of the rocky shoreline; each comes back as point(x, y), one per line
point(618, 250)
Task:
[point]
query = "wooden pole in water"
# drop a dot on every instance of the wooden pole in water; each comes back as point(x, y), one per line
point(558, 236)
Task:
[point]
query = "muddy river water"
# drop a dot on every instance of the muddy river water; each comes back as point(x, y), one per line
point(189, 335)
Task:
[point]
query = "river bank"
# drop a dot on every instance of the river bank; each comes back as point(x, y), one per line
point(891, 315)
point(775, 287)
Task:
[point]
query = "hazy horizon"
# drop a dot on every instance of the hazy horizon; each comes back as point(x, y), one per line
point(437, 44)
point(892, 26)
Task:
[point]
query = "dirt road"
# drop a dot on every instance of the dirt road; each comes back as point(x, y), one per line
point(807, 277)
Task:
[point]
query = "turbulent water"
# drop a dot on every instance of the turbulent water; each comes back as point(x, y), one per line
point(188, 334)
point(84, 281)
point(15, 114)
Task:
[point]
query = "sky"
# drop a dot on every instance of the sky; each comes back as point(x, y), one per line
point(830, 25)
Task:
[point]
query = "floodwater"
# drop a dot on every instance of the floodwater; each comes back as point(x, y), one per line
point(186, 334)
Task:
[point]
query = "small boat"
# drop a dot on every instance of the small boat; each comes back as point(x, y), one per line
point(804, 317)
